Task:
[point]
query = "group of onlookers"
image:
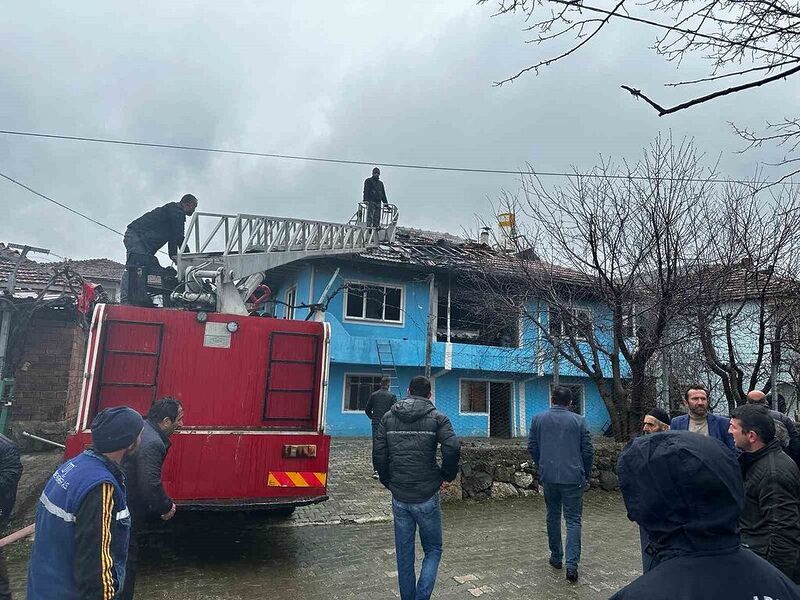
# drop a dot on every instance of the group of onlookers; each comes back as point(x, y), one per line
point(94, 507)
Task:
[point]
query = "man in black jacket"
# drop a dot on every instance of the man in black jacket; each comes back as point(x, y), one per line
point(793, 446)
point(685, 489)
point(10, 472)
point(144, 237)
point(147, 498)
point(770, 521)
point(404, 452)
point(375, 197)
point(379, 403)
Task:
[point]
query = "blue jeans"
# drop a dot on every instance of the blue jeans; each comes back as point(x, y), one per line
point(407, 516)
point(570, 497)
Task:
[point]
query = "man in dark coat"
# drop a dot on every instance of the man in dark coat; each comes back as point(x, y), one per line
point(699, 420)
point(379, 403)
point(146, 495)
point(144, 237)
point(404, 453)
point(792, 447)
point(686, 490)
point(655, 420)
point(560, 445)
point(375, 197)
point(770, 521)
point(10, 472)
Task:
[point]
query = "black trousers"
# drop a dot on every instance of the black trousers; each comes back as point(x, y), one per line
point(373, 214)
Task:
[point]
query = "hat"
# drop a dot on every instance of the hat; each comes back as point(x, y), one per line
point(115, 429)
point(659, 413)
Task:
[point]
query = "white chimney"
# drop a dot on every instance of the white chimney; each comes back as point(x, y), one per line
point(484, 239)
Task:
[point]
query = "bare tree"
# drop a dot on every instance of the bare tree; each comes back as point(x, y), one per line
point(748, 292)
point(747, 44)
point(618, 242)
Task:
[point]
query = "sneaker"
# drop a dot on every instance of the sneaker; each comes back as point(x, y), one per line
point(556, 564)
point(375, 475)
point(572, 575)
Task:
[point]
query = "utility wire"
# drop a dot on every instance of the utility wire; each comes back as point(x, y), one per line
point(64, 206)
point(363, 162)
point(57, 203)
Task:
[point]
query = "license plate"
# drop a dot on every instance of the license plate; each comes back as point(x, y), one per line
point(300, 451)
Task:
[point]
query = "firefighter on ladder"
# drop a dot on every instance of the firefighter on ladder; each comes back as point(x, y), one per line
point(374, 198)
point(143, 238)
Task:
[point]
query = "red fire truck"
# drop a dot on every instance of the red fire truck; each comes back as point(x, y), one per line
point(253, 391)
point(253, 388)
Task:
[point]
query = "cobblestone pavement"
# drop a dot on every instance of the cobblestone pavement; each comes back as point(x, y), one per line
point(354, 496)
point(494, 550)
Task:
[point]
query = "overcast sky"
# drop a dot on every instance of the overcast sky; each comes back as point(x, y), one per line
point(403, 82)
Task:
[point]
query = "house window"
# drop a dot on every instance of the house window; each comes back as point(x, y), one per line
point(474, 396)
point(573, 322)
point(357, 390)
point(291, 300)
point(373, 302)
point(577, 396)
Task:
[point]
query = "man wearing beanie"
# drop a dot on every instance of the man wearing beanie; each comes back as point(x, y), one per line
point(82, 521)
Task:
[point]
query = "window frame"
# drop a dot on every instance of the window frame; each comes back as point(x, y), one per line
point(575, 310)
point(364, 319)
point(350, 411)
point(486, 383)
point(582, 387)
point(289, 308)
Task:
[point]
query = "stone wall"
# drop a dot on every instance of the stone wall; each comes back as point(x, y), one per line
point(48, 379)
point(503, 469)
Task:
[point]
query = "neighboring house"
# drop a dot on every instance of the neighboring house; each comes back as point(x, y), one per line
point(488, 378)
point(43, 342)
point(743, 312)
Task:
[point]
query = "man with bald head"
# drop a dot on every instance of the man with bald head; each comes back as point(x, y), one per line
point(793, 447)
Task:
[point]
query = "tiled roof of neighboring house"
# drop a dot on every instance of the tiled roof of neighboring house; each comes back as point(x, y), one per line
point(432, 249)
point(98, 268)
point(742, 282)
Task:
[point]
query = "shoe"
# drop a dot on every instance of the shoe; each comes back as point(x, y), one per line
point(556, 564)
point(375, 475)
point(572, 575)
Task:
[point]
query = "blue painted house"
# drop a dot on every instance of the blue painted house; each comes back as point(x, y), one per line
point(392, 307)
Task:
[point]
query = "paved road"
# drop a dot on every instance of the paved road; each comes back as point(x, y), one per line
point(492, 549)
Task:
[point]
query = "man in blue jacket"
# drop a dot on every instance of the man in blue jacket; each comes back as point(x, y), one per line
point(699, 420)
point(561, 447)
point(82, 521)
point(686, 491)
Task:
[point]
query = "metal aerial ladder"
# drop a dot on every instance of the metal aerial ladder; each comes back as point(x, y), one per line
point(387, 365)
point(232, 252)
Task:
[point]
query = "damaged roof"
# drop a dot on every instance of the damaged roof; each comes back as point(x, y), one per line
point(444, 251)
point(31, 275)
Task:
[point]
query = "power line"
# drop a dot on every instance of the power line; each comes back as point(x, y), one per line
point(368, 163)
point(57, 203)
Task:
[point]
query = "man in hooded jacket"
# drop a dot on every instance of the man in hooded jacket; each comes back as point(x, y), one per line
point(404, 453)
point(685, 490)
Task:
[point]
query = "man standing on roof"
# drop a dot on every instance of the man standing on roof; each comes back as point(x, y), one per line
point(144, 237)
point(374, 197)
